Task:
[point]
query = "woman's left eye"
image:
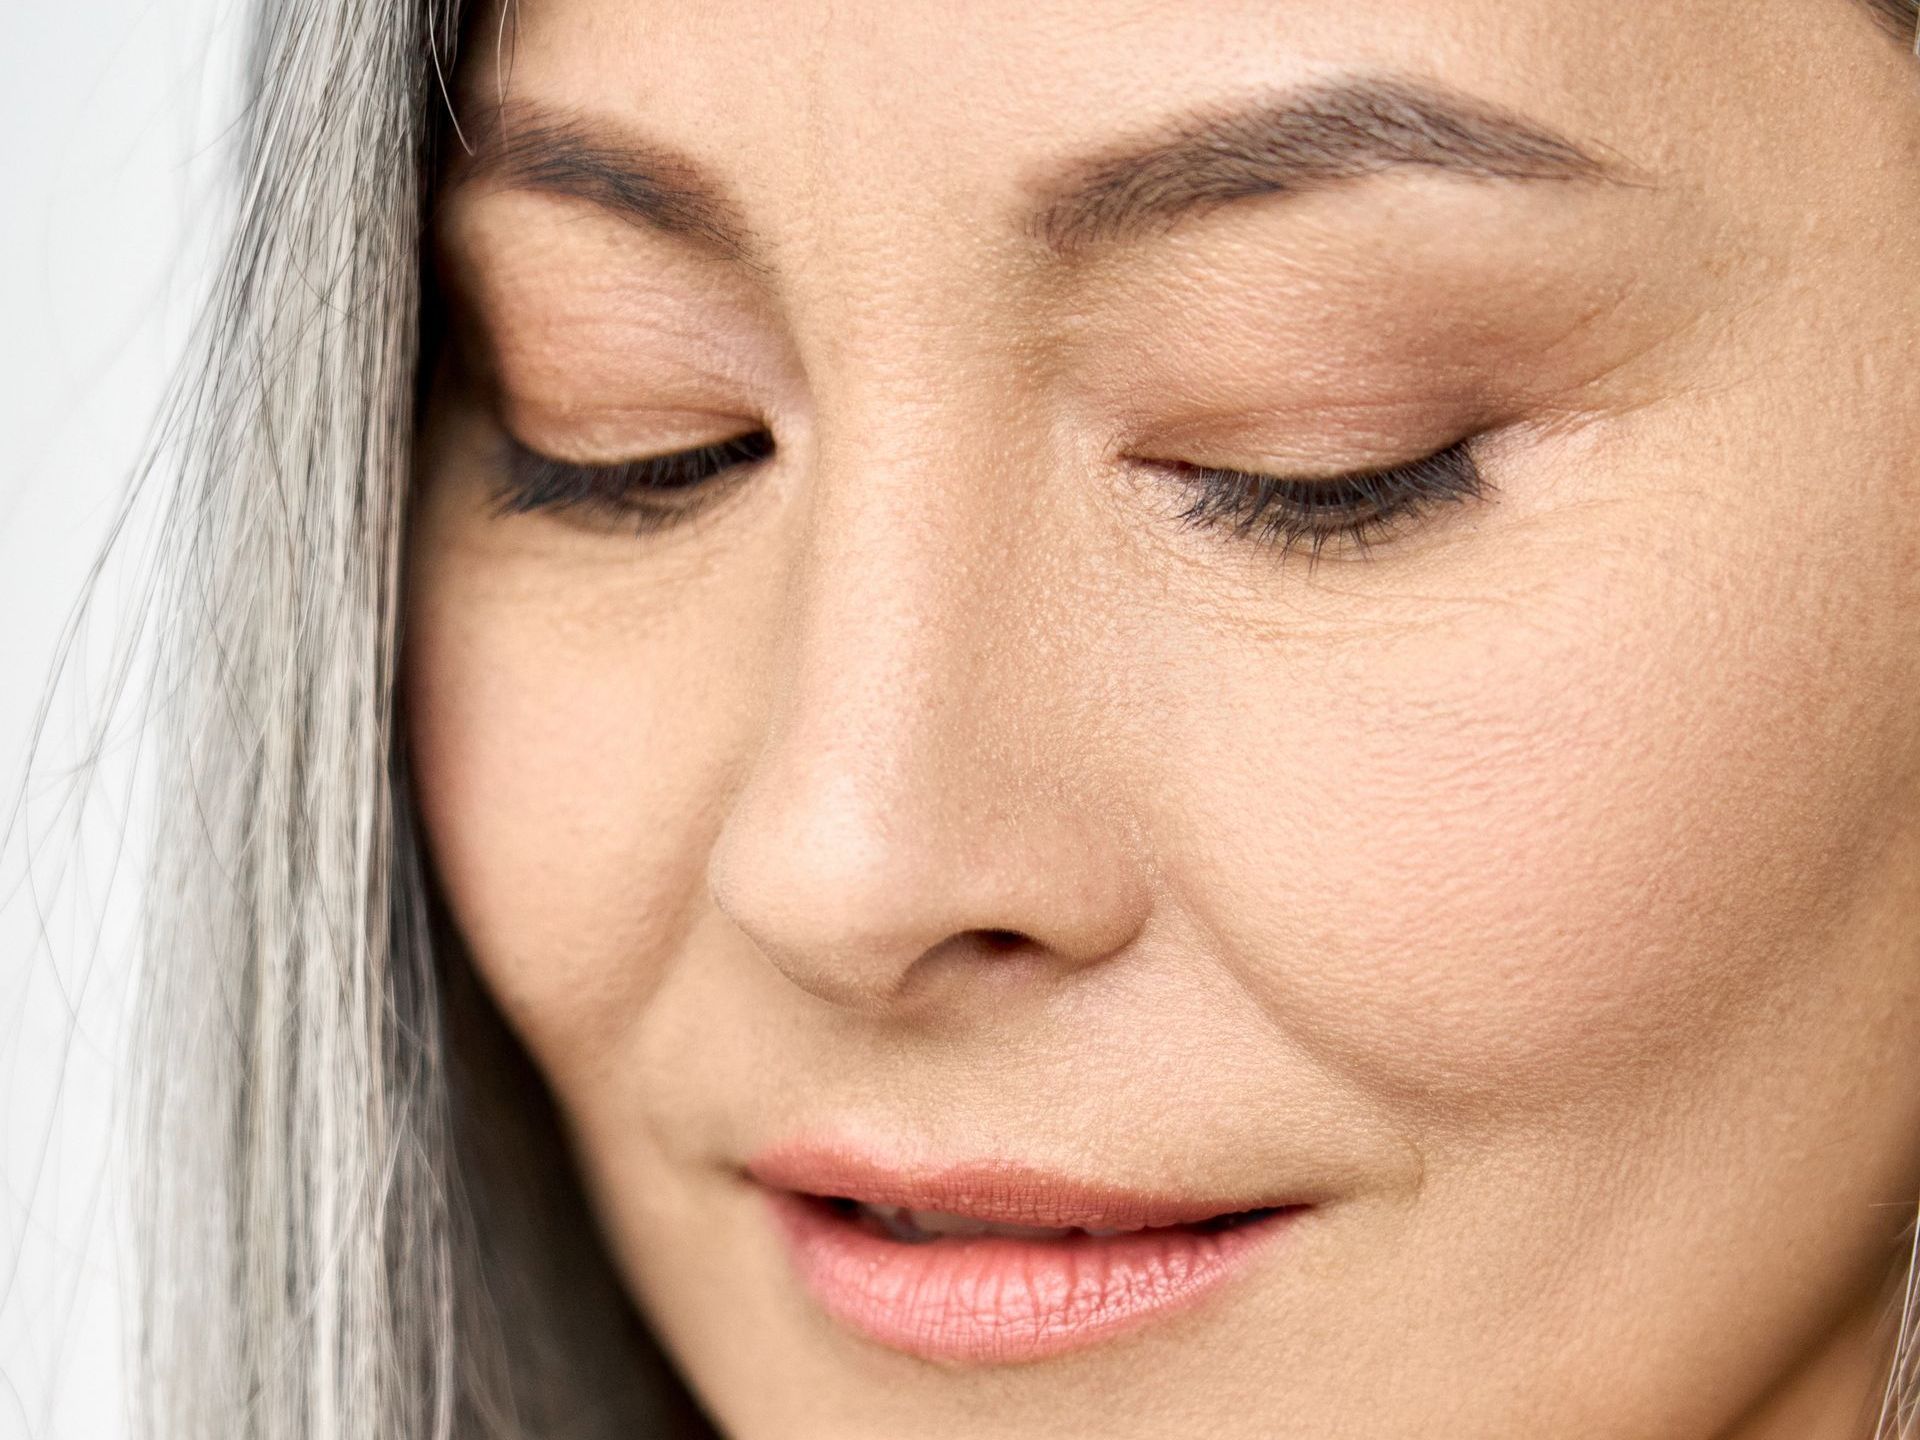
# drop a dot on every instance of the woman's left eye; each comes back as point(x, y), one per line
point(1357, 508)
point(645, 494)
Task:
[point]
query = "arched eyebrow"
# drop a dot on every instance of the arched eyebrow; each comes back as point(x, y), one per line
point(1306, 139)
point(529, 146)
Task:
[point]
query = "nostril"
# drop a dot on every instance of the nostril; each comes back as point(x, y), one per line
point(1001, 939)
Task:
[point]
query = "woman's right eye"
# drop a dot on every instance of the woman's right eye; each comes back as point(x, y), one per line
point(645, 494)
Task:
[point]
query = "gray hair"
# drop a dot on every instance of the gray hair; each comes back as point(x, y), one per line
point(353, 1170)
point(334, 1210)
point(1901, 17)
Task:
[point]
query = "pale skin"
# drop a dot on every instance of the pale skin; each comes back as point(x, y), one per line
point(1539, 884)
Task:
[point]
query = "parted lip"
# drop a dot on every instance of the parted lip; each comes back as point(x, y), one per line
point(1005, 1192)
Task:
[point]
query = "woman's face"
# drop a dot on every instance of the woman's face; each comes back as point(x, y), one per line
point(973, 783)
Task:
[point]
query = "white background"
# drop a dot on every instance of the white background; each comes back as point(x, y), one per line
point(112, 152)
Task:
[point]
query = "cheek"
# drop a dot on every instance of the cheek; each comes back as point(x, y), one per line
point(1511, 855)
point(569, 794)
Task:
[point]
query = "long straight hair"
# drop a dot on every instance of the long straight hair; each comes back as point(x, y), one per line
point(353, 1171)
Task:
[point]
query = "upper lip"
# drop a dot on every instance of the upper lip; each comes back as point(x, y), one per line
point(1005, 1192)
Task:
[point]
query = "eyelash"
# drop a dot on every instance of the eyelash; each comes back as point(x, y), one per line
point(1360, 508)
point(631, 491)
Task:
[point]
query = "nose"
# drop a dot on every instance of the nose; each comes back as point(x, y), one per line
point(931, 795)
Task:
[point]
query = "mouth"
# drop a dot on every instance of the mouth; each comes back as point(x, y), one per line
point(999, 1263)
point(908, 1226)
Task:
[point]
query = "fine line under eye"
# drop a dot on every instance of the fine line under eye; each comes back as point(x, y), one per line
point(1358, 508)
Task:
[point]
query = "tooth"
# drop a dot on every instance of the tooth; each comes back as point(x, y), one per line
point(920, 1226)
point(940, 1222)
point(899, 1224)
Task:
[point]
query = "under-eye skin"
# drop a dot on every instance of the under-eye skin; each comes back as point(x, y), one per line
point(1356, 509)
point(645, 495)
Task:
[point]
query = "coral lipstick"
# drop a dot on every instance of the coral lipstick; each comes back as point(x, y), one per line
point(998, 1263)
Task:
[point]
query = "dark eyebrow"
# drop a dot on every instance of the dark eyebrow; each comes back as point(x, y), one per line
point(1304, 140)
point(530, 147)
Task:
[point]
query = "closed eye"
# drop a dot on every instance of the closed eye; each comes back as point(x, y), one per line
point(1357, 509)
point(647, 494)
point(1279, 512)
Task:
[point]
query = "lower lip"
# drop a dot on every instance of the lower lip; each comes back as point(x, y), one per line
point(989, 1299)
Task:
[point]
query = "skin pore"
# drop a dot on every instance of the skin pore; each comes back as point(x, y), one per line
point(1530, 886)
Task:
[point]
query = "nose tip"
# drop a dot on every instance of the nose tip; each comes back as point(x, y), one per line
point(861, 888)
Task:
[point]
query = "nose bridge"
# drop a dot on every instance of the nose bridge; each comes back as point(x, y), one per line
point(915, 571)
point(916, 599)
point(916, 789)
